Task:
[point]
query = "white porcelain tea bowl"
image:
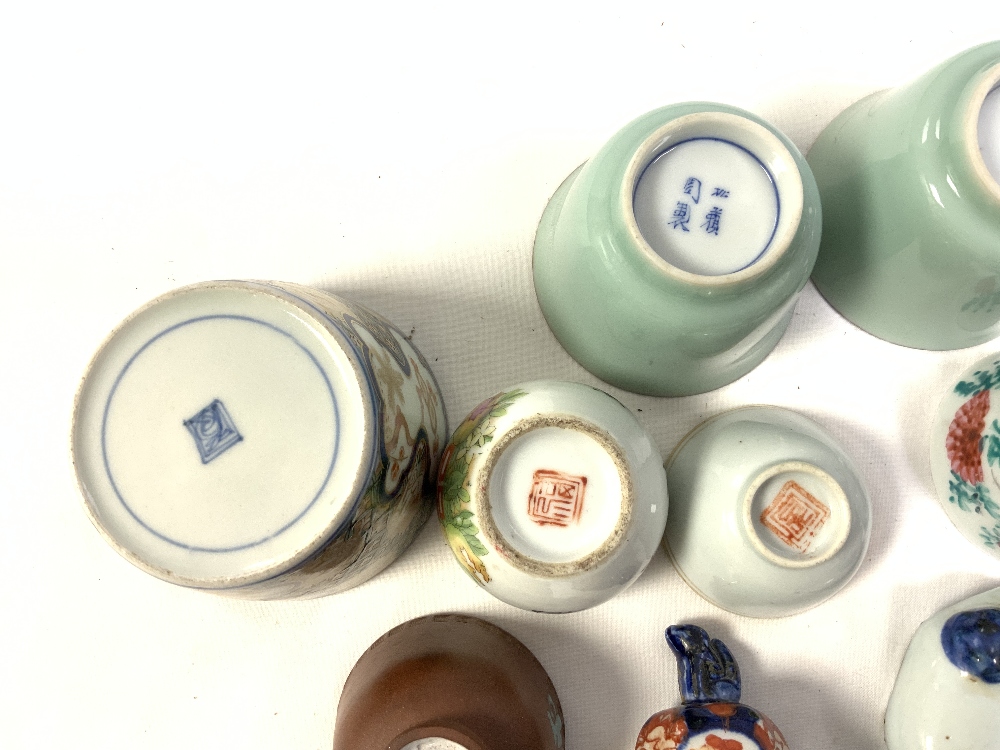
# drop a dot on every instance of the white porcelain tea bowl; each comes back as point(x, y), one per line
point(767, 514)
point(552, 496)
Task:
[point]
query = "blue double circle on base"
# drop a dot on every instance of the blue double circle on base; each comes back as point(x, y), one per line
point(114, 388)
point(752, 155)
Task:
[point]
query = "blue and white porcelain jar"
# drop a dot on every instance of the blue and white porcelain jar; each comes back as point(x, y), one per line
point(260, 439)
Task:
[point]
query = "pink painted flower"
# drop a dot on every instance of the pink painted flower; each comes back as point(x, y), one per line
point(964, 436)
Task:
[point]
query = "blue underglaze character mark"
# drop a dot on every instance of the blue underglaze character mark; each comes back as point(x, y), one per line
point(692, 187)
point(971, 641)
point(213, 431)
point(681, 217)
point(720, 193)
point(707, 670)
point(712, 218)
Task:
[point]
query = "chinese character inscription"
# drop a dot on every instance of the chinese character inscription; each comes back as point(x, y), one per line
point(683, 213)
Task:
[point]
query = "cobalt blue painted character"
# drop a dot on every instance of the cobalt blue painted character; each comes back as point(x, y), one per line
point(720, 193)
point(712, 218)
point(213, 431)
point(692, 187)
point(681, 217)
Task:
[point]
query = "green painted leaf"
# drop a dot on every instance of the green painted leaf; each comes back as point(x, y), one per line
point(477, 546)
point(990, 537)
point(992, 440)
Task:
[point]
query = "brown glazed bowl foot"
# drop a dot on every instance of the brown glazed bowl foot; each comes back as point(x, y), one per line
point(448, 682)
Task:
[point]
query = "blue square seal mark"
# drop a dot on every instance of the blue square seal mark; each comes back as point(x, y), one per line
point(213, 431)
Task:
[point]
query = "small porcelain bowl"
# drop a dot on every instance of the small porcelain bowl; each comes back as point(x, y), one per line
point(552, 496)
point(947, 693)
point(768, 516)
point(965, 454)
point(448, 682)
point(258, 439)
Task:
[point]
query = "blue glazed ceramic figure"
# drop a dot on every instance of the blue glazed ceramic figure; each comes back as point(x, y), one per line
point(971, 641)
point(947, 693)
point(711, 716)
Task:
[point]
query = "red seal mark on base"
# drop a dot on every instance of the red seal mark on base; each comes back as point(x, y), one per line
point(795, 516)
point(556, 498)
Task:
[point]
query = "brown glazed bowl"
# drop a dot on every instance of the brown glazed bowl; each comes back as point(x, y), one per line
point(448, 681)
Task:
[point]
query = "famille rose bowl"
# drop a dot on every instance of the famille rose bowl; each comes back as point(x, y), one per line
point(552, 496)
point(711, 716)
point(965, 454)
point(258, 439)
point(448, 682)
point(768, 516)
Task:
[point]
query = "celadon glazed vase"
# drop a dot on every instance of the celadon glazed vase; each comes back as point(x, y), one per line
point(911, 211)
point(711, 716)
point(947, 694)
point(448, 682)
point(669, 264)
point(258, 439)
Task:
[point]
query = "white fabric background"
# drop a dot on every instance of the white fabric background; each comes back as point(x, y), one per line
point(400, 154)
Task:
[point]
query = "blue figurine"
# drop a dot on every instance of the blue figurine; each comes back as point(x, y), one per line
point(711, 716)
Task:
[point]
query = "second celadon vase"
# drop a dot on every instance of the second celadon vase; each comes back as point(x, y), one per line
point(669, 264)
point(911, 212)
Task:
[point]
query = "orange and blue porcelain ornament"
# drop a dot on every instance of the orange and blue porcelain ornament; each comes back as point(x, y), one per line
point(711, 716)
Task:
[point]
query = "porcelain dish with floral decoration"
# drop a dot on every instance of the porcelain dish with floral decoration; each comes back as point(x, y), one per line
point(965, 454)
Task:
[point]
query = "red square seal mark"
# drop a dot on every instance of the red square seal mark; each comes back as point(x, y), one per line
point(556, 499)
point(795, 516)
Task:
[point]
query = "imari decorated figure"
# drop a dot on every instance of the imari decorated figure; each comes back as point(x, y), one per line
point(711, 716)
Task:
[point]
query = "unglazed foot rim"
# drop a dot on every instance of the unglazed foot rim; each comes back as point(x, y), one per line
point(834, 499)
point(506, 548)
point(988, 81)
